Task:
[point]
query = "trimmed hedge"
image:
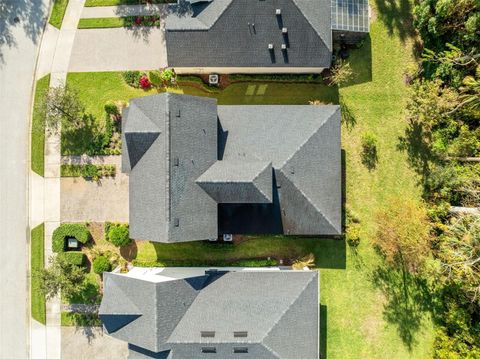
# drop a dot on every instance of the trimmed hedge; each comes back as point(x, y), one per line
point(88, 171)
point(77, 230)
point(310, 78)
point(76, 258)
point(241, 263)
point(101, 264)
point(117, 234)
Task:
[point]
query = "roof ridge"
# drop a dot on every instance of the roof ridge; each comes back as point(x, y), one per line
point(285, 311)
point(310, 23)
point(148, 117)
point(311, 135)
point(258, 175)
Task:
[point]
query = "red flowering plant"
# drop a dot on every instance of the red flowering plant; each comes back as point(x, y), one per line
point(145, 82)
point(138, 20)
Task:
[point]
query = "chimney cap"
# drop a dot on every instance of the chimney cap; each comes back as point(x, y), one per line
point(278, 11)
point(284, 30)
point(270, 46)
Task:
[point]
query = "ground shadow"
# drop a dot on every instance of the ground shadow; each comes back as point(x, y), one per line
point(348, 119)
point(323, 332)
point(360, 60)
point(28, 14)
point(397, 17)
point(129, 252)
point(417, 147)
point(408, 301)
point(370, 158)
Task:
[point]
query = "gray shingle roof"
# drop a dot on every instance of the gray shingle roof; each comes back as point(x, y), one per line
point(278, 310)
point(236, 33)
point(303, 143)
point(238, 182)
point(168, 141)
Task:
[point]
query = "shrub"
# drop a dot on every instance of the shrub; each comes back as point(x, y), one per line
point(118, 235)
point(77, 258)
point(369, 150)
point(112, 109)
point(101, 264)
point(132, 78)
point(145, 82)
point(352, 234)
point(77, 230)
point(155, 78)
point(167, 76)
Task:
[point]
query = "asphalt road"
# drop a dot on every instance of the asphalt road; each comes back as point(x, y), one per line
point(21, 25)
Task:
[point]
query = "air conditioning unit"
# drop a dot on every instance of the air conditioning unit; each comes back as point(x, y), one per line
point(228, 237)
point(213, 79)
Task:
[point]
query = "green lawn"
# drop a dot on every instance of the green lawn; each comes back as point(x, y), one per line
point(37, 262)
point(38, 131)
point(58, 12)
point(103, 22)
point(365, 312)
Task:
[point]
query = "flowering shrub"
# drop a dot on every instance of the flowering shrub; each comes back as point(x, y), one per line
point(145, 82)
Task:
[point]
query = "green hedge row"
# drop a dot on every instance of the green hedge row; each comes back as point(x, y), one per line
point(88, 171)
point(242, 263)
point(77, 230)
point(314, 78)
point(77, 258)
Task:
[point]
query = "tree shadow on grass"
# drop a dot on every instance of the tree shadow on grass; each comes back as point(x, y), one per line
point(323, 331)
point(397, 17)
point(408, 301)
point(415, 144)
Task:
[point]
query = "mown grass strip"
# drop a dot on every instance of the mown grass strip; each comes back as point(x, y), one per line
point(93, 3)
point(112, 22)
point(38, 128)
point(58, 12)
point(68, 319)
point(37, 262)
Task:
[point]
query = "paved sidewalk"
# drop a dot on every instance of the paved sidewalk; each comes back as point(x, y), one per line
point(123, 10)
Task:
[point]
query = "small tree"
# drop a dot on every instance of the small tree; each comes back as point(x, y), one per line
point(340, 74)
point(369, 150)
point(101, 264)
point(403, 234)
point(61, 276)
point(307, 261)
point(61, 106)
point(118, 235)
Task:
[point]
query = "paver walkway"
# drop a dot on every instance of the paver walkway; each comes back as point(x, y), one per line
point(123, 10)
point(80, 308)
point(96, 160)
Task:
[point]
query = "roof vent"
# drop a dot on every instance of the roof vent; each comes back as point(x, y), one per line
point(242, 334)
point(209, 350)
point(284, 30)
point(176, 162)
point(284, 46)
point(207, 334)
point(178, 113)
point(176, 222)
point(270, 46)
point(240, 350)
point(278, 12)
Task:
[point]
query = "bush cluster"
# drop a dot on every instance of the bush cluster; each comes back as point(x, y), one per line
point(77, 230)
point(88, 171)
point(76, 258)
point(314, 78)
point(132, 78)
point(101, 264)
point(241, 263)
point(117, 234)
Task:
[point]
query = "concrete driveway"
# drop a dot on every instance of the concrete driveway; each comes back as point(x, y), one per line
point(90, 342)
point(106, 200)
point(118, 49)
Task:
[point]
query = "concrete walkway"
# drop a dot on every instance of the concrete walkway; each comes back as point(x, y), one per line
point(54, 57)
point(123, 10)
point(96, 160)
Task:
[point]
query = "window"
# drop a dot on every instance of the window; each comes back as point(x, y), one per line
point(209, 350)
point(207, 334)
point(240, 334)
point(240, 350)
